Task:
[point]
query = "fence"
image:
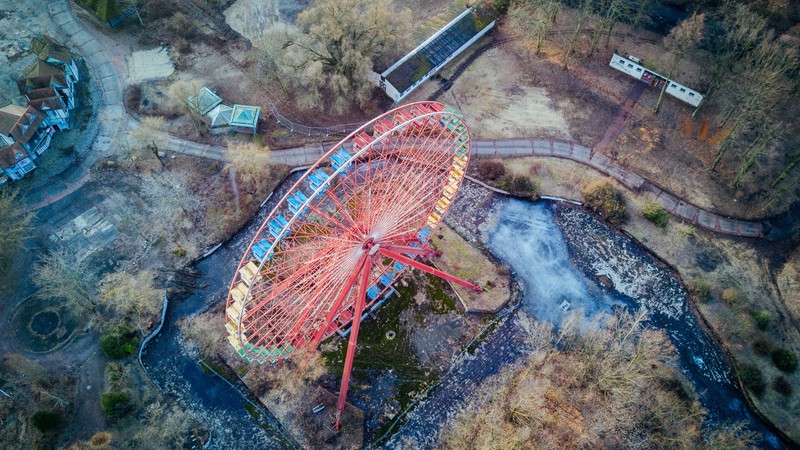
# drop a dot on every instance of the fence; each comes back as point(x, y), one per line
point(345, 128)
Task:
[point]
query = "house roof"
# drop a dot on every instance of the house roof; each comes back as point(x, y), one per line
point(11, 155)
point(45, 99)
point(41, 74)
point(20, 123)
point(46, 47)
point(220, 116)
point(245, 116)
point(205, 101)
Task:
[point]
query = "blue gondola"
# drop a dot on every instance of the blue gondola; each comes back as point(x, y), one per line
point(317, 179)
point(296, 202)
point(373, 292)
point(276, 225)
point(398, 266)
point(260, 250)
point(386, 279)
point(424, 234)
point(340, 159)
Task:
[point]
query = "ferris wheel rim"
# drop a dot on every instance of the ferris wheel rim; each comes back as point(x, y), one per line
point(320, 190)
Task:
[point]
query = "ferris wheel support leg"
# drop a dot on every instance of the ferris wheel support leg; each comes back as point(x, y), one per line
point(425, 268)
point(360, 266)
point(361, 300)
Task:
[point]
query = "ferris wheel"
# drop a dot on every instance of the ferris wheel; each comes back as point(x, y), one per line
point(345, 231)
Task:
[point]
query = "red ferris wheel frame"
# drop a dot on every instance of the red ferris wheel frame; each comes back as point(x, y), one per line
point(358, 217)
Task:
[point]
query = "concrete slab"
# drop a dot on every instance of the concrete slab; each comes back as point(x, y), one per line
point(581, 153)
point(707, 220)
point(750, 229)
point(728, 226)
point(687, 211)
point(149, 65)
point(669, 202)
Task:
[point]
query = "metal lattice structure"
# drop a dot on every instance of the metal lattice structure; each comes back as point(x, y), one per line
point(345, 231)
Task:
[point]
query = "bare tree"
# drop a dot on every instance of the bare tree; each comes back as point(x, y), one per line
point(184, 97)
point(683, 37)
point(133, 296)
point(534, 18)
point(334, 48)
point(15, 226)
point(584, 8)
point(251, 162)
point(150, 135)
point(60, 276)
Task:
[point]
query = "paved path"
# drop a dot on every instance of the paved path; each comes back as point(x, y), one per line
point(613, 130)
point(676, 206)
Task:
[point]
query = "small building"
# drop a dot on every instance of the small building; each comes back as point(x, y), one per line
point(41, 75)
point(219, 119)
point(15, 162)
point(23, 137)
point(244, 118)
point(632, 67)
point(204, 101)
point(222, 118)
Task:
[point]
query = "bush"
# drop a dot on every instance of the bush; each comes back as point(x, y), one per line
point(491, 170)
point(45, 421)
point(783, 386)
point(655, 213)
point(118, 341)
point(752, 378)
point(603, 198)
point(785, 360)
point(763, 320)
point(763, 346)
point(731, 296)
point(521, 186)
point(115, 404)
point(701, 289)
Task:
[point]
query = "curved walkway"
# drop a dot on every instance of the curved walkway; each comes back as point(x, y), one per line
point(107, 125)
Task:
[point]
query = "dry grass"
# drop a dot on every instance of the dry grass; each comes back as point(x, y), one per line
point(561, 394)
point(468, 263)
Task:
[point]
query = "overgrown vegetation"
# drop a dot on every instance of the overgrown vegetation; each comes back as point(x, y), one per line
point(14, 229)
point(602, 197)
point(331, 52)
point(785, 360)
point(654, 212)
point(115, 404)
point(119, 341)
point(520, 185)
point(46, 421)
point(595, 387)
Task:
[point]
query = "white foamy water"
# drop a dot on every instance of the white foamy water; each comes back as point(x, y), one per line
point(528, 240)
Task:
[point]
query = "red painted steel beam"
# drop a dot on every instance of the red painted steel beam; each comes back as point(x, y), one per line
point(361, 300)
point(362, 262)
point(414, 263)
point(422, 251)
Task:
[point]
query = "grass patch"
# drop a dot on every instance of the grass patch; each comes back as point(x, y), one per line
point(655, 213)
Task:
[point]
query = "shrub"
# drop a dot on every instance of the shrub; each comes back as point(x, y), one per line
point(115, 404)
point(45, 421)
point(701, 289)
point(783, 386)
point(763, 346)
point(100, 440)
point(118, 341)
point(491, 170)
point(785, 360)
point(763, 320)
point(752, 378)
point(731, 297)
point(603, 198)
point(521, 186)
point(655, 213)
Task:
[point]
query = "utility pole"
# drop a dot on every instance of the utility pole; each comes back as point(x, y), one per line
point(5, 393)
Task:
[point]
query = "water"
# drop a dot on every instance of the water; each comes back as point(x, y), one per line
point(527, 238)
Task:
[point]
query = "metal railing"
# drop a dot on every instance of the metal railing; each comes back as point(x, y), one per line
point(345, 128)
